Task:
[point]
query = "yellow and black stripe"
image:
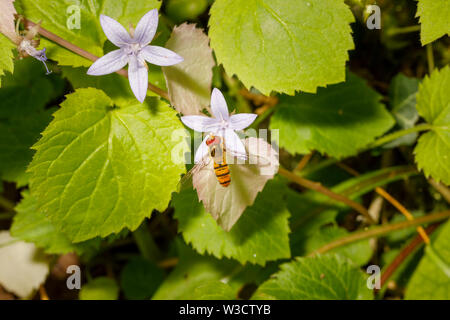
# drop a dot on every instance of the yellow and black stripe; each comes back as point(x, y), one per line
point(222, 172)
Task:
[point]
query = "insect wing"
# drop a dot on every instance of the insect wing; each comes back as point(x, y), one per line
point(206, 160)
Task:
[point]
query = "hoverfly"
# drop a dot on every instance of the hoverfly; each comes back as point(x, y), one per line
point(217, 153)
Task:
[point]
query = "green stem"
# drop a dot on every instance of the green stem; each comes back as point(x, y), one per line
point(361, 185)
point(430, 57)
point(396, 31)
point(443, 190)
point(316, 167)
point(400, 133)
point(6, 215)
point(7, 204)
point(382, 230)
point(262, 117)
point(317, 186)
point(146, 244)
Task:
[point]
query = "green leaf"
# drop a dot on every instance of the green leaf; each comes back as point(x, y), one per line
point(359, 252)
point(338, 120)
point(22, 116)
point(214, 290)
point(194, 271)
point(429, 281)
point(282, 45)
point(433, 103)
point(402, 96)
point(101, 288)
point(18, 135)
point(55, 16)
point(6, 55)
point(260, 235)
point(189, 82)
point(99, 169)
point(140, 278)
point(434, 19)
point(32, 226)
point(329, 277)
point(310, 211)
point(401, 237)
point(29, 77)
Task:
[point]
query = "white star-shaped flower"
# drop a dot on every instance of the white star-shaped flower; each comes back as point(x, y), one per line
point(134, 51)
point(222, 125)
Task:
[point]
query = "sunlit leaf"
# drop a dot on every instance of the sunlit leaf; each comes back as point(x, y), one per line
point(433, 103)
point(329, 277)
point(6, 56)
point(30, 225)
point(214, 290)
point(101, 288)
point(99, 169)
point(429, 281)
point(282, 45)
point(434, 19)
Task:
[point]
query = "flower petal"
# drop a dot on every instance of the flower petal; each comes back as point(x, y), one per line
point(160, 56)
point(200, 123)
point(114, 31)
point(138, 77)
point(234, 144)
point(202, 151)
point(146, 28)
point(242, 120)
point(109, 63)
point(219, 105)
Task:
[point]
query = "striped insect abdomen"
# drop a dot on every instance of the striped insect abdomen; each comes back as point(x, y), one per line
point(222, 172)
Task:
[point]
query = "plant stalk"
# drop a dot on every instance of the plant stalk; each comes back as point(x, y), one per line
point(146, 244)
point(316, 186)
point(400, 133)
point(382, 230)
point(7, 204)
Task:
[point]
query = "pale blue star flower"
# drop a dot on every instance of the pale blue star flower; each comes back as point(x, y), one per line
point(134, 51)
point(223, 124)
